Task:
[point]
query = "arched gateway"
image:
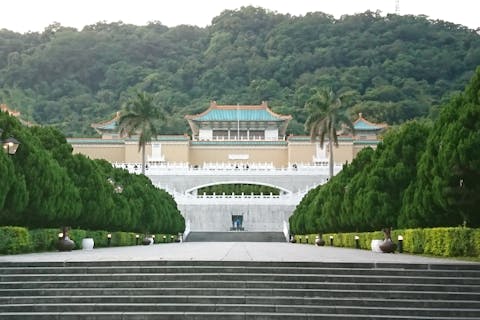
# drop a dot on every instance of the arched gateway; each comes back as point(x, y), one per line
point(224, 212)
point(233, 144)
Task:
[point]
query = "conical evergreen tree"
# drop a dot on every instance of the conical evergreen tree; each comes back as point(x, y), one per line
point(446, 190)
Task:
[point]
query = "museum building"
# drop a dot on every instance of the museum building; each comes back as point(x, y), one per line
point(232, 135)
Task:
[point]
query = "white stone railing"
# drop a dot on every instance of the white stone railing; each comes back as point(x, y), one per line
point(237, 196)
point(285, 199)
point(222, 168)
point(233, 138)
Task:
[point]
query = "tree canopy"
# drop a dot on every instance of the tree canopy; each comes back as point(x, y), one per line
point(45, 185)
point(423, 174)
point(140, 117)
point(325, 117)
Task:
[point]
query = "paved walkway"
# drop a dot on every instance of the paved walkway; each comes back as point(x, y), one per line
point(227, 251)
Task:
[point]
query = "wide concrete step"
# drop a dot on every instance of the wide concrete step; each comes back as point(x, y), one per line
point(216, 282)
point(235, 236)
point(387, 309)
point(238, 290)
point(209, 316)
point(270, 300)
point(236, 280)
point(379, 271)
point(265, 292)
point(473, 268)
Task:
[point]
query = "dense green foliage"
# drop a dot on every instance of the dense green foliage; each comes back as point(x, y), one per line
point(448, 175)
point(421, 175)
point(397, 66)
point(22, 240)
point(14, 240)
point(238, 189)
point(446, 242)
point(44, 185)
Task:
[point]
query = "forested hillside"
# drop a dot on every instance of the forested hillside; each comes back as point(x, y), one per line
point(399, 67)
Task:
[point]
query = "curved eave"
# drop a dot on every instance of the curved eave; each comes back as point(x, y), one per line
point(109, 125)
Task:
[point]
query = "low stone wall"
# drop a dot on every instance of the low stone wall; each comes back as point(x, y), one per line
point(218, 217)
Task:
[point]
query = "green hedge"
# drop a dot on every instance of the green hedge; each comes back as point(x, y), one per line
point(21, 240)
point(443, 242)
point(15, 240)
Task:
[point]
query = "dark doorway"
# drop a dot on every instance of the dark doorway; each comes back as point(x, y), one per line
point(237, 223)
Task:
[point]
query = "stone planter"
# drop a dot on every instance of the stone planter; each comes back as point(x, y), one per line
point(147, 241)
point(387, 246)
point(87, 243)
point(319, 241)
point(375, 244)
point(65, 244)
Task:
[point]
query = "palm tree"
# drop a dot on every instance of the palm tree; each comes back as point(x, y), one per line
point(325, 116)
point(141, 117)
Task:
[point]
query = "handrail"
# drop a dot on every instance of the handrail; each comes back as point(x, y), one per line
point(222, 168)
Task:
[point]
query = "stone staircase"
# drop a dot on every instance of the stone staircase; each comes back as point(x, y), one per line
point(236, 236)
point(228, 290)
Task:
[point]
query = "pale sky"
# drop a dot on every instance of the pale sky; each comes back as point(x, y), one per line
point(35, 15)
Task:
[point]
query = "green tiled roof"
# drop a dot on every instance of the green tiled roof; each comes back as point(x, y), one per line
point(109, 126)
point(238, 115)
point(361, 125)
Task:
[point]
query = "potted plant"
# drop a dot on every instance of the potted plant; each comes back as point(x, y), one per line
point(147, 240)
point(64, 243)
point(387, 246)
point(319, 240)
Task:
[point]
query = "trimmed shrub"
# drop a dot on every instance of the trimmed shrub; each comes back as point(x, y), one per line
point(450, 242)
point(14, 240)
point(476, 242)
point(444, 242)
point(44, 239)
point(20, 240)
point(414, 241)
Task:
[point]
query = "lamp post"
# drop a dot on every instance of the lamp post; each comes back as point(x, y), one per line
point(357, 242)
point(400, 244)
point(331, 241)
point(109, 239)
point(136, 239)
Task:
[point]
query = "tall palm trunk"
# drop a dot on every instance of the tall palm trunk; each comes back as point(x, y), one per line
point(143, 159)
point(331, 139)
point(330, 158)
